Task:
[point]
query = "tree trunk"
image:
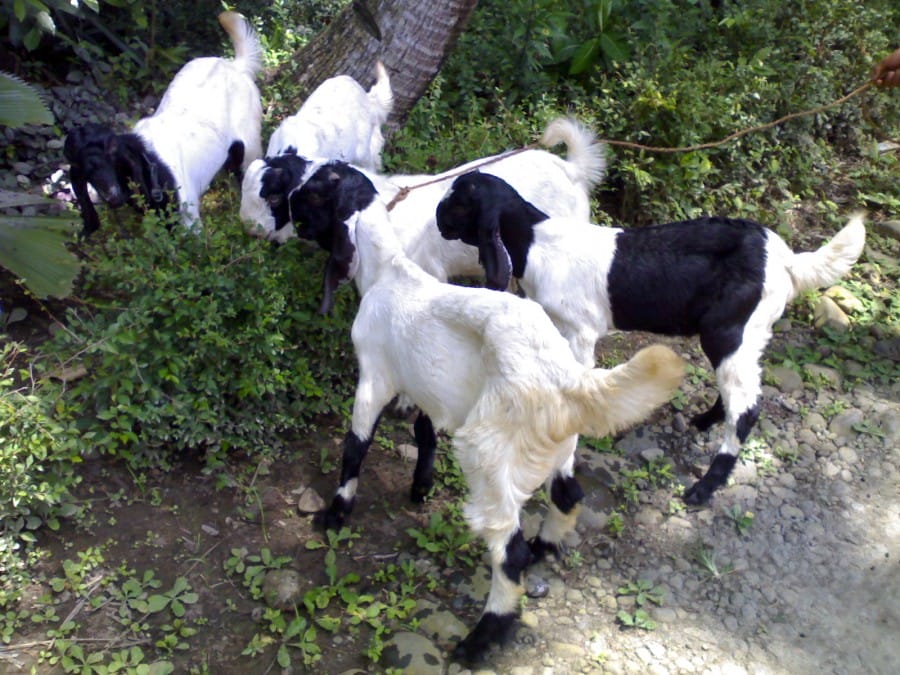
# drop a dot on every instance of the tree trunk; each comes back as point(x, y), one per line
point(415, 38)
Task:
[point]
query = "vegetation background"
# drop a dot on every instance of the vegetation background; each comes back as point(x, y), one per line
point(209, 346)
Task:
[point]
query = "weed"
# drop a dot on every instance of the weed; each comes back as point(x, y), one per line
point(447, 537)
point(706, 556)
point(742, 519)
point(644, 593)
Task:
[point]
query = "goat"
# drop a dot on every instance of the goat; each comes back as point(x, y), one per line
point(723, 279)
point(562, 187)
point(339, 120)
point(209, 117)
point(488, 367)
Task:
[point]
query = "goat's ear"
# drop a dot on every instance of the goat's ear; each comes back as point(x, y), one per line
point(492, 254)
point(337, 269)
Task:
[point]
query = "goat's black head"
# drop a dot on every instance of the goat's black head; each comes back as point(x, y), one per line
point(91, 150)
point(282, 175)
point(321, 211)
point(485, 211)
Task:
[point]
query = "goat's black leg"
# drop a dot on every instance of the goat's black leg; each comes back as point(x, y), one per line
point(355, 450)
point(714, 415)
point(565, 495)
point(496, 623)
point(89, 218)
point(426, 441)
point(721, 467)
point(235, 161)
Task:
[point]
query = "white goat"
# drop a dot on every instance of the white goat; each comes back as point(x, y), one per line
point(725, 280)
point(209, 117)
point(339, 120)
point(488, 367)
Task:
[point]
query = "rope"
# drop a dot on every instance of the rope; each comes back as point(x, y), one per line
point(404, 191)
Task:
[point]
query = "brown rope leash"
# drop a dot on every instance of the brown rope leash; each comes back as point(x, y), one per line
point(404, 191)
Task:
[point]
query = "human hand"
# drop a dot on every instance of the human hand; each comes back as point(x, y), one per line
point(887, 71)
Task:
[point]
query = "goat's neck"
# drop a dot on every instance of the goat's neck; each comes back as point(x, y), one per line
point(517, 234)
point(376, 245)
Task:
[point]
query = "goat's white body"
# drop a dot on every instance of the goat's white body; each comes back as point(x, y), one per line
point(339, 120)
point(490, 368)
point(211, 103)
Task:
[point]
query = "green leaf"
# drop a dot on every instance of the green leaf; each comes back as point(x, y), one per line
point(157, 603)
point(585, 56)
point(20, 103)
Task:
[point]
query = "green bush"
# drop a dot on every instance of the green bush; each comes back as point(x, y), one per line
point(206, 341)
point(36, 470)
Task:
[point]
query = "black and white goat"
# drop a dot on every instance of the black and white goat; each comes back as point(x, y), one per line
point(723, 279)
point(208, 118)
point(488, 367)
point(559, 186)
point(339, 120)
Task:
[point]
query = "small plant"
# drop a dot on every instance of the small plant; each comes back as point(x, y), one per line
point(615, 525)
point(705, 556)
point(644, 593)
point(448, 537)
point(742, 519)
point(254, 567)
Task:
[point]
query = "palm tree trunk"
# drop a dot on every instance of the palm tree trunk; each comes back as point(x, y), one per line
point(411, 37)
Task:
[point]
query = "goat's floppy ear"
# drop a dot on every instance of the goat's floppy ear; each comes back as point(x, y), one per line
point(337, 269)
point(492, 253)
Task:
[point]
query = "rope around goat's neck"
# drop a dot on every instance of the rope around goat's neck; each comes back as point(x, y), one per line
point(404, 191)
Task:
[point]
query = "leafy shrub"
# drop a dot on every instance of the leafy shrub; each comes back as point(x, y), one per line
point(36, 473)
point(204, 341)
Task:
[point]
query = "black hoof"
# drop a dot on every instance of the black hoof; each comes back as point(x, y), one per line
point(714, 415)
point(492, 629)
point(697, 495)
point(334, 516)
point(540, 549)
point(419, 493)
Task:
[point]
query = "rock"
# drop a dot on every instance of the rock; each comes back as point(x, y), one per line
point(844, 299)
point(842, 424)
point(413, 654)
point(828, 313)
point(819, 373)
point(283, 588)
point(785, 379)
point(310, 501)
point(888, 228)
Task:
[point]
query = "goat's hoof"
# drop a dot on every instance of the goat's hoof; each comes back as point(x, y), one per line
point(491, 629)
point(419, 493)
point(697, 495)
point(540, 549)
point(328, 519)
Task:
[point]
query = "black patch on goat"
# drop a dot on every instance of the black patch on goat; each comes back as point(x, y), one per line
point(281, 176)
point(319, 211)
point(700, 276)
point(492, 628)
point(503, 219)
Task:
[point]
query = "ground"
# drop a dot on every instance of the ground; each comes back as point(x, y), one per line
point(793, 568)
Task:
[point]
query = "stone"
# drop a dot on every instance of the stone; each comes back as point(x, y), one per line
point(827, 313)
point(413, 654)
point(785, 379)
point(283, 588)
point(310, 501)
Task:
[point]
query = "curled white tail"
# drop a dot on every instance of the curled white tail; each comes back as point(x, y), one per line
point(830, 262)
point(248, 51)
point(583, 151)
point(381, 95)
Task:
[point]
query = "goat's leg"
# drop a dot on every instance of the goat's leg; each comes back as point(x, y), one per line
point(235, 162)
point(371, 398)
point(565, 498)
point(714, 415)
point(510, 555)
point(738, 377)
point(90, 219)
point(426, 442)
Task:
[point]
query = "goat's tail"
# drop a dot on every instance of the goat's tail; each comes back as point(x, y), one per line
point(381, 95)
point(606, 401)
point(832, 261)
point(583, 152)
point(248, 51)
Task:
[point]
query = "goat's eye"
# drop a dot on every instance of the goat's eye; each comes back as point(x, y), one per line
point(274, 200)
